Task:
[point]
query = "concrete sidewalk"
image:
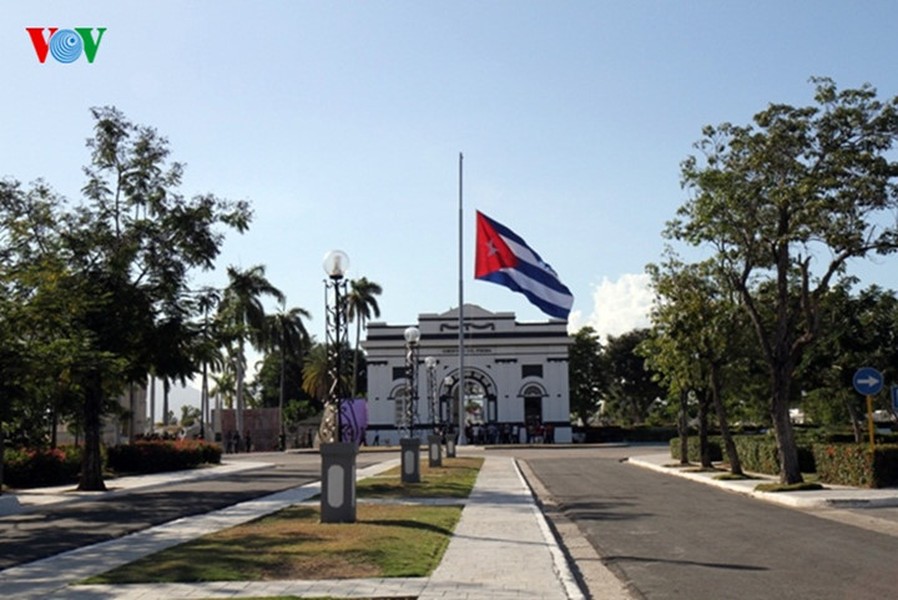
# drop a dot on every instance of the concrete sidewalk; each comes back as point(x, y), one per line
point(832, 496)
point(502, 548)
point(19, 501)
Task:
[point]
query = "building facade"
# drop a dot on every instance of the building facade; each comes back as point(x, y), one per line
point(516, 379)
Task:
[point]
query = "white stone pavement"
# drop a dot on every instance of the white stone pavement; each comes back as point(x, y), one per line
point(502, 549)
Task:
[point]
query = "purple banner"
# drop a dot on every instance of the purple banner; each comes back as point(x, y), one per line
point(354, 419)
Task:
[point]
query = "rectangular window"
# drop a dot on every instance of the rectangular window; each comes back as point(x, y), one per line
point(398, 373)
point(531, 371)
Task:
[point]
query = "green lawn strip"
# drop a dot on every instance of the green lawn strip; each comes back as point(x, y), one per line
point(806, 486)
point(387, 540)
point(454, 479)
point(316, 598)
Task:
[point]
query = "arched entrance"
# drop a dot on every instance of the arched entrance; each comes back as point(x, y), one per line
point(479, 399)
point(533, 410)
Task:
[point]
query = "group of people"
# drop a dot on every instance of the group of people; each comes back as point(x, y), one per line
point(234, 444)
point(510, 433)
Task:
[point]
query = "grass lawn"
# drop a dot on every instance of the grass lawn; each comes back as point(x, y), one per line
point(454, 479)
point(387, 540)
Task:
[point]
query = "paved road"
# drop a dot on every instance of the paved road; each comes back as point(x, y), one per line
point(670, 538)
point(45, 532)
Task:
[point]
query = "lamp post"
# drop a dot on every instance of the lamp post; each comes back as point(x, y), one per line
point(435, 448)
point(447, 423)
point(338, 457)
point(411, 446)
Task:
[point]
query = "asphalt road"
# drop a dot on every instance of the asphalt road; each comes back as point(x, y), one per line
point(666, 537)
point(37, 534)
point(663, 536)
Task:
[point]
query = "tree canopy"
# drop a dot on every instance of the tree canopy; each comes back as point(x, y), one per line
point(789, 200)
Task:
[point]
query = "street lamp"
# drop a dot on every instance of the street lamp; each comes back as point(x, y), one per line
point(411, 446)
point(447, 422)
point(430, 363)
point(435, 449)
point(338, 464)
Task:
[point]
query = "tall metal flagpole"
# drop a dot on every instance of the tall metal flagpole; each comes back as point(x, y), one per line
point(461, 310)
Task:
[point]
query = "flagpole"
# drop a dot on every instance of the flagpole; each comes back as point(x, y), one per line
point(461, 310)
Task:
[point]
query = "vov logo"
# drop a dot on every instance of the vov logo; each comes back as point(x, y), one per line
point(65, 45)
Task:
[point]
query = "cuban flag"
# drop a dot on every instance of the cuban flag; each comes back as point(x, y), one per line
point(503, 257)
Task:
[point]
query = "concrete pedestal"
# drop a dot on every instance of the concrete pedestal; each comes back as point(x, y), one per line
point(450, 447)
point(338, 482)
point(435, 450)
point(411, 460)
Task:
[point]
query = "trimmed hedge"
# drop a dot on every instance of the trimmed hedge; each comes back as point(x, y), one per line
point(714, 447)
point(834, 462)
point(29, 468)
point(157, 456)
point(41, 468)
point(758, 453)
point(854, 465)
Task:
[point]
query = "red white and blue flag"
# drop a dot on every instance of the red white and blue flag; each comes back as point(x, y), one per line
point(503, 257)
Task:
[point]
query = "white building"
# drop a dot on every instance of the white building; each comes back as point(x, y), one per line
point(516, 377)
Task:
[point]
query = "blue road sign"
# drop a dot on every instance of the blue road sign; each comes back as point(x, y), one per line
point(867, 381)
point(895, 398)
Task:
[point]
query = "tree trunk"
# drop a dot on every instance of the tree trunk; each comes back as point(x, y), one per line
point(2, 446)
point(729, 444)
point(705, 449)
point(240, 403)
point(855, 422)
point(152, 404)
point(91, 459)
point(282, 436)
point(132, 417)
point(204, 401)
point(166, 386)
point(790, 472)
point(54, 425)
point(683, 427)
point(355, 356)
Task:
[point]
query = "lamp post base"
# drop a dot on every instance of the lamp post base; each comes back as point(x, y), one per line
point(338, 500)
point(411, 460)
point(435, 450)
point(450, 446)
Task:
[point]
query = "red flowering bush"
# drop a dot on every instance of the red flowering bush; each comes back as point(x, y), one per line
point(156, 456)
point(41, 467)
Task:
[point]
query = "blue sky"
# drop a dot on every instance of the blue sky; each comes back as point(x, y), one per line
point(342, 123)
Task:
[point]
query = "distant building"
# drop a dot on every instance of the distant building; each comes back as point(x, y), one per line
point(119, 426)
point(516, 376)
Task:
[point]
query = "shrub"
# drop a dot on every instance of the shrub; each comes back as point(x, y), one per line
point(714, 448)
point(758, 453)
point(41, 467)
point(855, 465)
point(156, 456)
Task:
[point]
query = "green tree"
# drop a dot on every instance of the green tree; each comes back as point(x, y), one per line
point(315, 376)
point(632, 389)
point(361, 305)
point(856, 330)
point(288, 336)
point(207, 346)
point(243, 315)
point(691, 345)
point(587, 374)
point(128, 250)
point(790, 200)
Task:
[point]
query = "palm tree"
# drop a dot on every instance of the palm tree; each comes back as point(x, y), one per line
point(207, 348)
point(360, 305)
point(225, 386)
point(243, 316)
point(287, 334)
point(315, 376)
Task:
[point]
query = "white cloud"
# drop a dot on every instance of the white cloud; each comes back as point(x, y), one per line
point(618, 306)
